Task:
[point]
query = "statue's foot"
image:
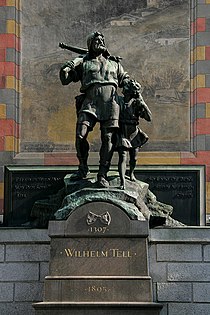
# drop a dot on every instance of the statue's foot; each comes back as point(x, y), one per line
point(80, 174)
point(122, 183)
point(102, 182)
point(132, 177)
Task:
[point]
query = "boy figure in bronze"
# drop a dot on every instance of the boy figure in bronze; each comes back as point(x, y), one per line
point(131, 137)
point(100, 75)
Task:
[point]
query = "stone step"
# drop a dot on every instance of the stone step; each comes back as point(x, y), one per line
point(98, 308)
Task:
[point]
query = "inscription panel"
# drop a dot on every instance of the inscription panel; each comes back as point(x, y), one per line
point(98, 257)
point(24, 186)
point(89, 290)
point(179, 188)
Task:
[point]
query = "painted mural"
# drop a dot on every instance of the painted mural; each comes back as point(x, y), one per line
point(151, 36)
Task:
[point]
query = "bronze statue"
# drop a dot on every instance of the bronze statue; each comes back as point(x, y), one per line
point(100, 75)
point(130, 136)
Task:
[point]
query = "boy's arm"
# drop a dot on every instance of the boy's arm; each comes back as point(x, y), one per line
point(145, 112)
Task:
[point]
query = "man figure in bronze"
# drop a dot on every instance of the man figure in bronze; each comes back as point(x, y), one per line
point(100, 75)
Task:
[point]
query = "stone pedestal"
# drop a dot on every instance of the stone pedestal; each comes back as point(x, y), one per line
point(98, 264)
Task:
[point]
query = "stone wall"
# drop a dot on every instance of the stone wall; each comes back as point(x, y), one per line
point(179, 265)
point(180, 269)
point(24, 259)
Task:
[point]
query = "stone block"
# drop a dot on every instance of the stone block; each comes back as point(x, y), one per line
point(12, 112)
point(1, 253)
point(203, 66)
point(179, 252)
point(203, 10)
point(152, 249)
point(3, 27)
point(44, 270)
point(180, 235)
point(8, 96)
point(3, 15)
point(24, 235)
point(188, 272)
point(12, 13)
point(28, 291)
point(201, 292)
point(201, 142)
point(105, 289)
point(157, 270)
point(208, 78)
point(206, 249)
point(96, 256)
point(33, 252)
point(6, 292)
point(12, 55)
point(19, 271)
point(171, 292)
point(201, 110)
point(207, 143)
point(188, 308)
point(16, 309)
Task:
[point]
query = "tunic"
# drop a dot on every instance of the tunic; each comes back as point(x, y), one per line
point(99, 79)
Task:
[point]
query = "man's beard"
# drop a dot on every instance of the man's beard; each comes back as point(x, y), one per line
point(99, 49)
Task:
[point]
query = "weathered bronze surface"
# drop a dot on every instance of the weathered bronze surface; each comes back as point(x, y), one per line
point(137, 200)
point(100, 75)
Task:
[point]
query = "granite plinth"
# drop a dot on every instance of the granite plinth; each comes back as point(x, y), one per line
point(98, 264)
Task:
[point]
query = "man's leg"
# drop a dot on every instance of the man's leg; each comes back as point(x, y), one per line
point(106, 153)
point(85, 124)
point(82, 148)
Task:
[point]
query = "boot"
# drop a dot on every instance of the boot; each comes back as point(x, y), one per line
point(81, 173)
point(102, 176)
